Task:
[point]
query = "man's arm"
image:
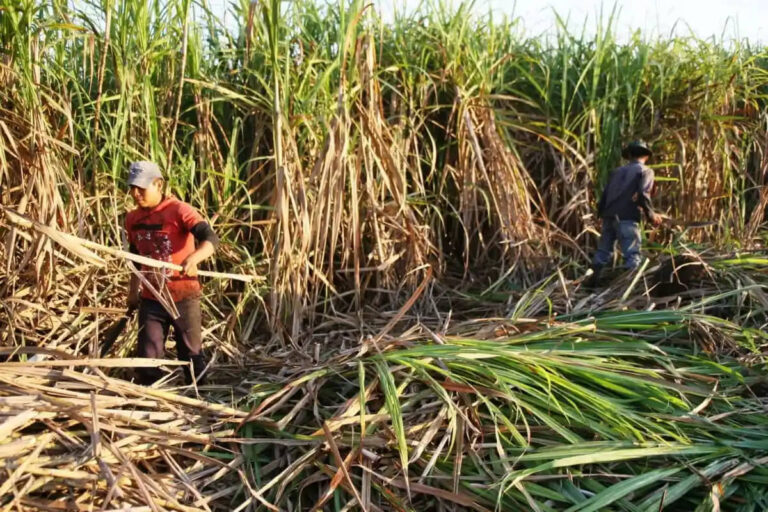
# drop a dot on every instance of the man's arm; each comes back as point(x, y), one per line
point(601, 204)
point(207, 243)
point(644, 196)
point(133, 292)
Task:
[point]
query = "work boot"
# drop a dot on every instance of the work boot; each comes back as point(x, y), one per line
point(594, 280)
point(148, 376)
point(198, 366)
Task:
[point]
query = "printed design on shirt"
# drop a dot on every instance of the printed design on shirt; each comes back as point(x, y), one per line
point(155, 244)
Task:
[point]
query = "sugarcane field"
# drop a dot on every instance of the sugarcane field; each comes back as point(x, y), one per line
point(321, 256)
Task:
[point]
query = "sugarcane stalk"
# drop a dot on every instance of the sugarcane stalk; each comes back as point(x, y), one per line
point(84, 248)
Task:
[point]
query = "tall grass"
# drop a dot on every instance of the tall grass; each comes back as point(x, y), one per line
point(344, 157)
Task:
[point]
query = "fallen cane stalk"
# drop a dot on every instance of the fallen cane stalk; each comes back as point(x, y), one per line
point(82, 247)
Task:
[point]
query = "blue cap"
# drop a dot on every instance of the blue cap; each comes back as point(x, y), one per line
point(142, 174)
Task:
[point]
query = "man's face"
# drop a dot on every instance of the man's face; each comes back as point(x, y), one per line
point(148, 197)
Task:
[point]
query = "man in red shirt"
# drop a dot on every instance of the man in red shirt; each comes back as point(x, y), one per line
point(166, 229)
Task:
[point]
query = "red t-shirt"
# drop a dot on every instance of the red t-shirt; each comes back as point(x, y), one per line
point(164, 233)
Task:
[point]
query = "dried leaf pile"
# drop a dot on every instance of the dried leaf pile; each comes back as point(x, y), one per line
point(73, 439)
point(597, 409)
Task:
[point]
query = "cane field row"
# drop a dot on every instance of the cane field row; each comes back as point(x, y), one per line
point(414, 197)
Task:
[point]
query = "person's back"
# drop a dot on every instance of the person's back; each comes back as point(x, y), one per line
point(627, 193)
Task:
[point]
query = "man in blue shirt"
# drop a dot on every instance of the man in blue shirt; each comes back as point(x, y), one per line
point(626, 196)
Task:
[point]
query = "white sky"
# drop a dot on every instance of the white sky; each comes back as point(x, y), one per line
point(734, 19)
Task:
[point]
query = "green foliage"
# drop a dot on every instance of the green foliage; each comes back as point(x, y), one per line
point(598, 414)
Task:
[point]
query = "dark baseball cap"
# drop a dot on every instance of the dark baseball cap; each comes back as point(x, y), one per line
point(142, 174)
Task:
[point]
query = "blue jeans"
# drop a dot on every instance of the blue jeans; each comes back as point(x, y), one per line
point(627, 232)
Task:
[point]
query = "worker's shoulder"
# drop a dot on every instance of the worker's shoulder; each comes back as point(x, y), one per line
point(172, 205)
point(172, 200)
point(633, 168)
point(638, 165)
point(130, 217)
point(644, 170)
point(179, 207)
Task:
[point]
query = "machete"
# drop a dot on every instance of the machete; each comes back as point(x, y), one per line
point(686, 225)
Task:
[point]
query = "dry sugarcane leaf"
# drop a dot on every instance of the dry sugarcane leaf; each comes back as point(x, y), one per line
point(67, 241)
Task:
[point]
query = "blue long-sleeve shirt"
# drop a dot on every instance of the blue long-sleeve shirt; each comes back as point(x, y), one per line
point(627, 193)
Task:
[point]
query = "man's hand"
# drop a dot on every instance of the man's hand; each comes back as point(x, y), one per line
point(133, 301)
point(189, 266)
point(656, 220)
point(133, 293)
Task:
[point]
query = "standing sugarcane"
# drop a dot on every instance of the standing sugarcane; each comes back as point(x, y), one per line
point(626, 196)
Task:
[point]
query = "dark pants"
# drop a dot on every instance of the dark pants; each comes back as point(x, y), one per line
point(627, 232)
point(154, 323)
